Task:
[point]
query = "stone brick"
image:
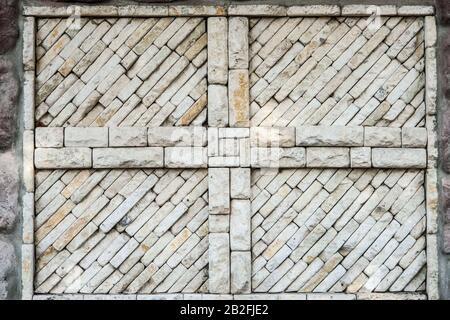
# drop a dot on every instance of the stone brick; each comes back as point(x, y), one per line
point(278, 157)
point(62, 158)
point(240, 183)
point(382, 137)
point(49, 137)
point(399, 158)
point(219, 263)
point(8, 265)
point(272, 136)
point(238, 42)
point(9, 89)
point(177, 137)
point(217, 50)
point(240, 225)
point(9, 186)
point(9, 30)
point(185, 157)
point(327, 157)
point(360, 157)
point(413, 137)
point(322, 136)
point(219, 190)
point(127, 137)
point(241, 263)
point(238, 94)
point(217, 105)
point(86, 137)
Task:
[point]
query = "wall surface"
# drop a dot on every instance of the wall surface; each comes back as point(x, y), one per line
point(10, 137)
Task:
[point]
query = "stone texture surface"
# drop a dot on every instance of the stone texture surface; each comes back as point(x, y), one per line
point(53, 158)
point(7, 266)
point(9, 90)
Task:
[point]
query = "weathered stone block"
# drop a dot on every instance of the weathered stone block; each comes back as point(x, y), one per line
point(128, 157)
point(278, 157)
point(49, 137)
point(314, 10)
point(27, 271)
point(238, 43)
point(414, 137)
point(62, 158)
point(219, 223)
point(9, 185)
point(382, 137)
point(239, 98)
point(219, 190)
point(415, 10)
point(217, 50)
point(327, 157)
point(185, 157)
point(8, 102)
point(7, 265)
point(446, 242)
point(219, 263)
point(240, 225)
point(127, 137)
point(241, 263)
point(360, 157)
point(272, 136)
point(177, 137)
point(399, 158)
point(86, 137)
point(322, 136)
point(257, 10)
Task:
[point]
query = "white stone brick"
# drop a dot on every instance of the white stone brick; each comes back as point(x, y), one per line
point(414, 137)
point(29, 44)
point(431, 80)
point(128, 157)
point(369, 10)
point(278, 157)
point(27, 271)
point(382, 137)
point(219, 190)
point(185, 157)
point(28, 100)
point(322, 157)
point(219, 223)
point(241, 272)
point(127, 137)
point(322, 136)
point(239, 100)
point(177, 137)
point(256, 10)
point(360, 157)
point(240, 183)
point(28, 162)
point(86, 137)
point(399, 158)
point(238, 42)
point(219, 263)
point(217, 50)
point(49, 137)
point(28, 218)
point(272, 136)
point(415, 10)
point(63, 158)
point(240, 225)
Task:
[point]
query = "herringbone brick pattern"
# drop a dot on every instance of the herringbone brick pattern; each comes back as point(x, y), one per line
point(121, 231)
point(121, 72)
point(337, 71)
point(338, 231)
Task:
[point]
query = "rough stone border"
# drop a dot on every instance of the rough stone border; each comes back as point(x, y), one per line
point(231, 10)
point(31, 12)
point(256, 296)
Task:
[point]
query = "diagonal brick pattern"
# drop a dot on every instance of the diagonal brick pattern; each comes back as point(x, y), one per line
point(338, 231)
point(121, 72)
point(121, 231)
point(337, 71)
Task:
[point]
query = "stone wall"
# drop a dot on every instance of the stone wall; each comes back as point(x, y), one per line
point(9, 157)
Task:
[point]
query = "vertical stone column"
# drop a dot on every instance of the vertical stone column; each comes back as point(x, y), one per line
point(238, 79)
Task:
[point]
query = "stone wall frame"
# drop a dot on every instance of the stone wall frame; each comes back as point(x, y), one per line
point(235, 67)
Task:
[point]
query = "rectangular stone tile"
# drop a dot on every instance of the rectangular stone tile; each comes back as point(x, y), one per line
point(185, 157)
point(86, 137)
point(240, 225)
point(219, 190)
point(177, 137)
point(63, 158)
point(322, 136)
point(219, 263)
point(151, 157)
point(322, 157)
point(399, 158)
point(127, 137)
